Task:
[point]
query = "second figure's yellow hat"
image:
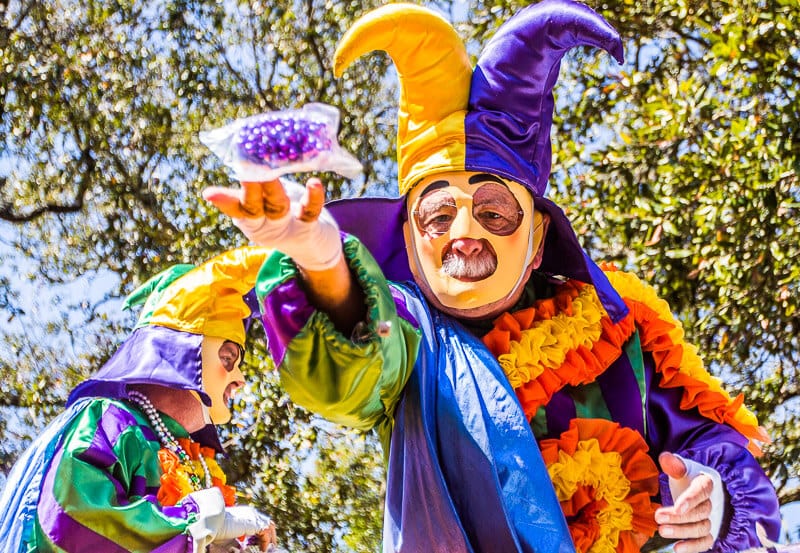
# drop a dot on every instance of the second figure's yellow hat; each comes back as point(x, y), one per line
point(207, 299)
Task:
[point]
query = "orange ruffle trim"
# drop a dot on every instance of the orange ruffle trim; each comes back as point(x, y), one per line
point(604, 479)
point(579, 344)
point(680, 365)
point(580, 364)
point(175, 479)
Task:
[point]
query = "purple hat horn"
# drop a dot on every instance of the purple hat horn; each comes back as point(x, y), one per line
point(511, 103)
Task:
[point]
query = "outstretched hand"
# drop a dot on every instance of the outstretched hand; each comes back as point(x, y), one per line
point(689, 519)
point(285, 216)
point(291, 219)
point(266, 199)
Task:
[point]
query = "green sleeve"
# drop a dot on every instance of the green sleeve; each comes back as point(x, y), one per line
point(103, 486)
point(356, 384)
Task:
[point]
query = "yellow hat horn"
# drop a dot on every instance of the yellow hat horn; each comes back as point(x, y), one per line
point(434, 73)
point(207, 299)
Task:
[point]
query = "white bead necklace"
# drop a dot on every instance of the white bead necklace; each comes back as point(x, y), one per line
point(168, 440)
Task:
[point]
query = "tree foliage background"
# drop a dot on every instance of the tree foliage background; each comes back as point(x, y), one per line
point(680, 165)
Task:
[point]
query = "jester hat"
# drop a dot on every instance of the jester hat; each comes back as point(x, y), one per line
point(493, 119)
point(181, 305)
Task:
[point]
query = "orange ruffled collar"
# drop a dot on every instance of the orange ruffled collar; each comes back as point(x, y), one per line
point(175, 478)
point(569, 339)
point(678, 362)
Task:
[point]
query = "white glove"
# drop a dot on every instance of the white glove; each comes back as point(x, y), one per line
point(314, 246)
point(216, 523)
point(694, 469)
point(210, 517)
point(242, 521)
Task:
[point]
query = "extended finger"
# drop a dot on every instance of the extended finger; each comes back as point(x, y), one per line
point(313, 201)
point(227, 200)
point(267, 537)
point(698, 491)
point(669, 515)
point(684, 531)
point(272, 198)
point(694, 546)
point(672, 465)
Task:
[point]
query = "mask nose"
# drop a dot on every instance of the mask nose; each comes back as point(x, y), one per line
point(466, 246)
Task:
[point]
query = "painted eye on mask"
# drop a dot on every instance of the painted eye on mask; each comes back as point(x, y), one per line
point(229, 354)
point(493, 207)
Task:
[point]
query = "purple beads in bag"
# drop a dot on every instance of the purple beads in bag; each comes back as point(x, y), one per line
point(265, 146)
point(277, 139)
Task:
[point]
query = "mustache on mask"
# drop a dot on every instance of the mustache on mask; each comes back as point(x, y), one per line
point(470, 268)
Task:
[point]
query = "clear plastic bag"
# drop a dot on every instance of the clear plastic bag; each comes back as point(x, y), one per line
point(266, 146)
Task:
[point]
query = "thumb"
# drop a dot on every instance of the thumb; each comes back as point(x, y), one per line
point(672, 465)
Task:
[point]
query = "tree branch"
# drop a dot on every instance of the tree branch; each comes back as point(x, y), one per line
point(314, 44)
point(7, 213)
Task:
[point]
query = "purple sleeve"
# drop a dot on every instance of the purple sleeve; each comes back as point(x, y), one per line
point(750, 496)
point(286, 310)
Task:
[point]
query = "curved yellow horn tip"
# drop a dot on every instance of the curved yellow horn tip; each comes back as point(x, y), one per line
point(379, 28)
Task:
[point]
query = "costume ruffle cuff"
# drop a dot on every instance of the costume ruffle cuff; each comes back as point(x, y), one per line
point(286, 309)
point(308, 348)
point(749, 496)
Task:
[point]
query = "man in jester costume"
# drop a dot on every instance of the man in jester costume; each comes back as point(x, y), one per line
point(129, 465)
point(526, 399)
